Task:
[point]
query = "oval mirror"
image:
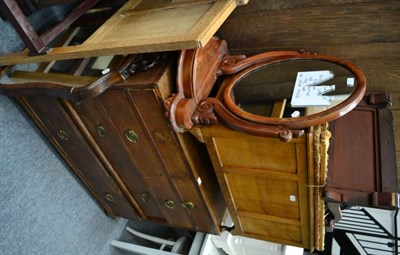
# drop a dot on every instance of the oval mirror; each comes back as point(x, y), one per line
point(295, 91)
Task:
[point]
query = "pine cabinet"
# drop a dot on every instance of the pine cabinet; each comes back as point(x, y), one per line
point(268, 184)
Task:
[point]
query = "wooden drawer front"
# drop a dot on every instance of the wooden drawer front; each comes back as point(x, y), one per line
point(95, 118)
point(266, 194)
point(271, 230)
point(129, 127)
point(53, 119)
point(170, 202)
point(257, 153)
point(151, 112)
point(194, 205)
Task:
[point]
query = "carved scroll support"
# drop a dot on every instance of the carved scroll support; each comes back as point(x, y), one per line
point(197, 72)
point(204, 114)
point(209, 108)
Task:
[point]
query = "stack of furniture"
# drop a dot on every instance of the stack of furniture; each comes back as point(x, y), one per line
point(184, 137)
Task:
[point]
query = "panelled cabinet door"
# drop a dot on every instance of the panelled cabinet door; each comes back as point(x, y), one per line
point(163, 24)
point(264, 182)
point(145, 26)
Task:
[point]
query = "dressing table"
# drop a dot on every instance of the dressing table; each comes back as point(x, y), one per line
point(269, 152)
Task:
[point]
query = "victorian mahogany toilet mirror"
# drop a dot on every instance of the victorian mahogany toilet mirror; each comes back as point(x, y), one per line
point(273, 94)
point(314, 88)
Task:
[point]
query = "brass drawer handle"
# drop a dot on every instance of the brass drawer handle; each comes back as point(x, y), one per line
point(169, 204)
point(188, 205)
point(131, 136)
point(101, 131)
point(63, 135)
point(109, 197)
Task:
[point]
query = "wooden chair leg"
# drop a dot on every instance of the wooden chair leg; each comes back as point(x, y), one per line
point(22, 26)
point(35, 43)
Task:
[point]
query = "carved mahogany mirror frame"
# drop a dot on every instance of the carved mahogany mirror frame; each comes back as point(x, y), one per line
point(330, 114)
point(198, 70)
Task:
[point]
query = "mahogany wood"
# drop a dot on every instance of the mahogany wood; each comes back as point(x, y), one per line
point(22, 26)
point(141, 169)
point(211, 105)
point(35, 43)
point(362, 163)
point(191, 105)
point(68, 90)
point(265, 59)
point(66, 137)
point(196, 75)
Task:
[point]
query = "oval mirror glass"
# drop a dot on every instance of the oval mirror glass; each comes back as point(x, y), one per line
point(293, 88)
point(295, 92)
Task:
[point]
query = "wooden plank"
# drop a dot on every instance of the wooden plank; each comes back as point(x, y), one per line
point(292, 5)
point(336, 24)
point(100, 49)
point(63, 79)
point(363, 32)
point(382, 74)
point(374, 50)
